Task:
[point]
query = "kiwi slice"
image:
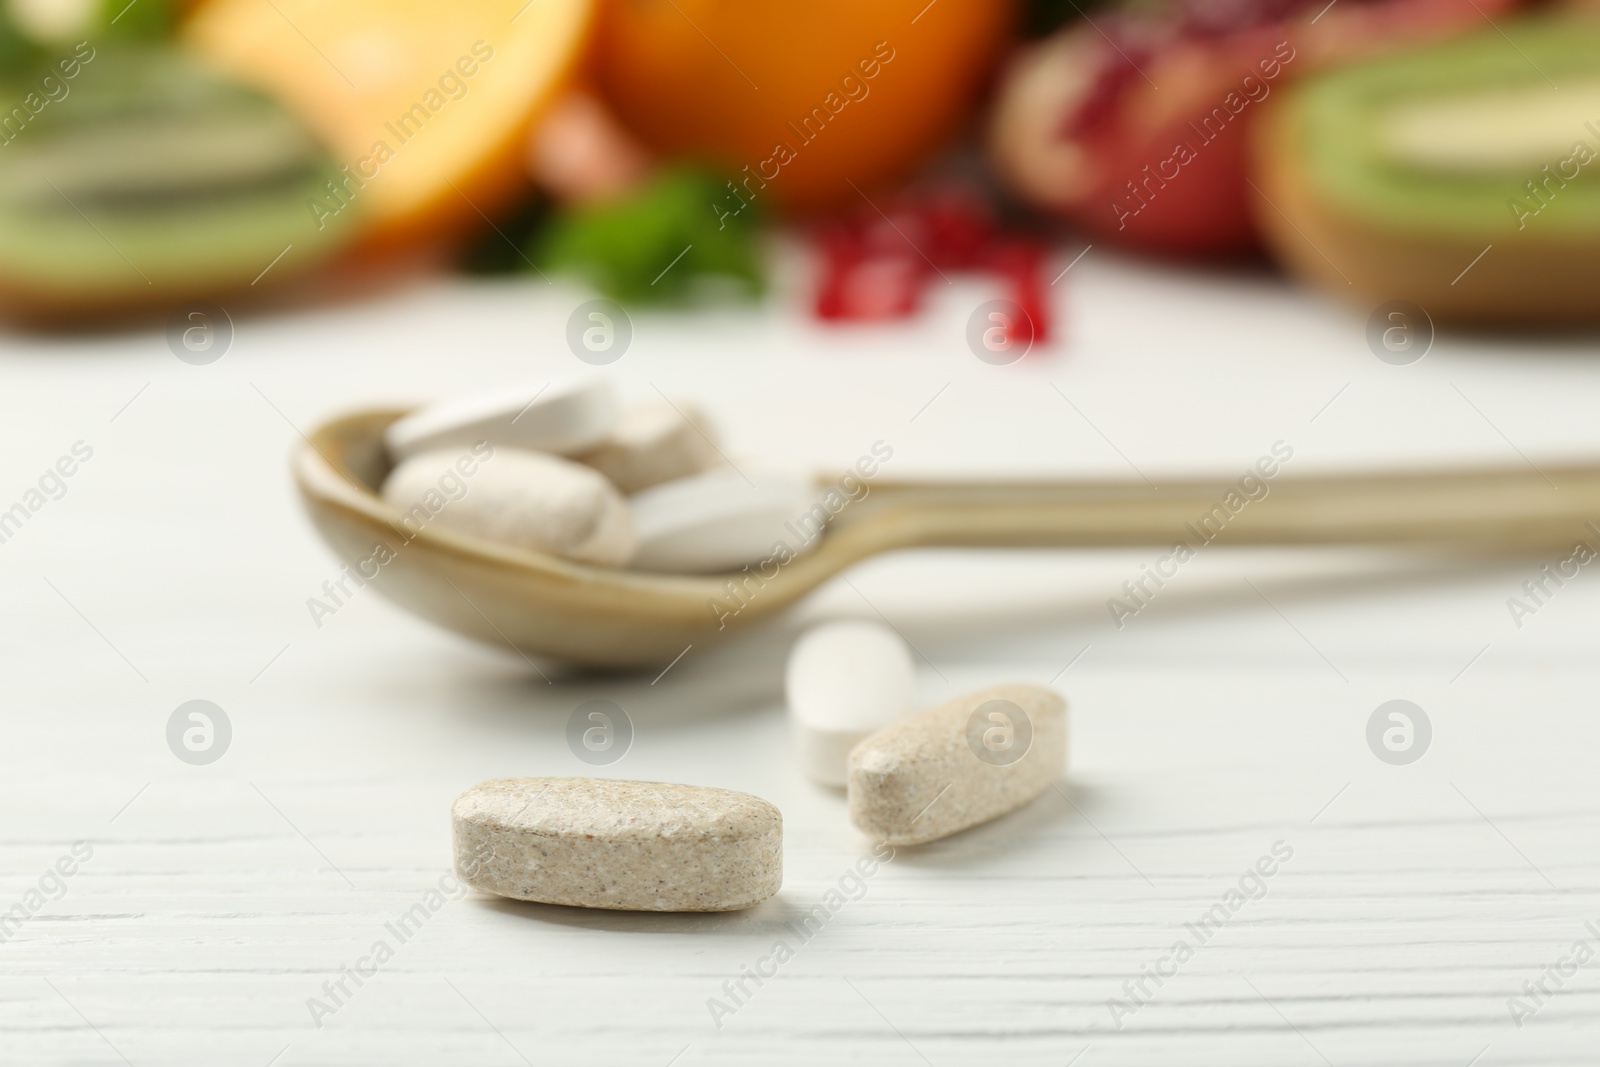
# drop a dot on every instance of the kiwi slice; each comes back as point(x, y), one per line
point(1456, 175)
point(53, 25)
point(142, 181)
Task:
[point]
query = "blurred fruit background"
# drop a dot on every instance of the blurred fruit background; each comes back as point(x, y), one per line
point(154, 152)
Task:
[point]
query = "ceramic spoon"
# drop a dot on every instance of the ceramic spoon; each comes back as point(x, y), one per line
point(549, 607)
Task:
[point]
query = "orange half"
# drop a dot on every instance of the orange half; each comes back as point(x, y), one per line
point(427, 104)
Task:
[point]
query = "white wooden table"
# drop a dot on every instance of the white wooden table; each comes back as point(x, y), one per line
point(1227, 717)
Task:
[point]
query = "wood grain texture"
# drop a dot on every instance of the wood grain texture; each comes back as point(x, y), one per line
point(1225, 715)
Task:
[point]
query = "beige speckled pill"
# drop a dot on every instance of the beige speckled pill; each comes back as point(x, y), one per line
point(656, 443)
point(626, 846)
point(524, 499)
point(958, 764)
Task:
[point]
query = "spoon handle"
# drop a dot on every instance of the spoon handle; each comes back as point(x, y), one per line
point(1492, 508)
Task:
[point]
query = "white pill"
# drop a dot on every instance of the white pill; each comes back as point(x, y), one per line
point(845, 681)
point(522, 499)
point(653, 444)
point(560, 416)
point(718, 521)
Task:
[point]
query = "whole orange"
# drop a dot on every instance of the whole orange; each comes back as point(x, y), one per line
point(799, 100)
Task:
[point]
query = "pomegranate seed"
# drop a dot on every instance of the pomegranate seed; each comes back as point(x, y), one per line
point(875, 266)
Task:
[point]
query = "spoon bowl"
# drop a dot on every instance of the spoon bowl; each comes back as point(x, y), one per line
point(539, 604)
point(551, 608)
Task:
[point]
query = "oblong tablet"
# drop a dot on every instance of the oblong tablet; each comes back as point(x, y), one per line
point(719, 521)
point(517, 498)
point(958, 764)
point(619, 845)
point(845, 681)
point(656, 443)
point(561, 416)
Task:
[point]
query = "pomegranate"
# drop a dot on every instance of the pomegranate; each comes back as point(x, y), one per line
point(1133, 125)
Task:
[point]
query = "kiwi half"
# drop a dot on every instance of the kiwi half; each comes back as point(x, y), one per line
point(1456, 175)
point(142, 181)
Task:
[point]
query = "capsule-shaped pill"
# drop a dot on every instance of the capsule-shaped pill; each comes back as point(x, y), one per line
point(517, 498)
point(619, 845)
point(958, 764)
point(720, 521)
point(657, 443)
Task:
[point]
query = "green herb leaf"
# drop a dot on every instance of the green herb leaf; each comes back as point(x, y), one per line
point(658, 245)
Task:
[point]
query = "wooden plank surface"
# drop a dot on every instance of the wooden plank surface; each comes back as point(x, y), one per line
point(1408, 905)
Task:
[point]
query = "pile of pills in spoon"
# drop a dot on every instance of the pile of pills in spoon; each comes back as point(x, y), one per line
point(561, 468)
